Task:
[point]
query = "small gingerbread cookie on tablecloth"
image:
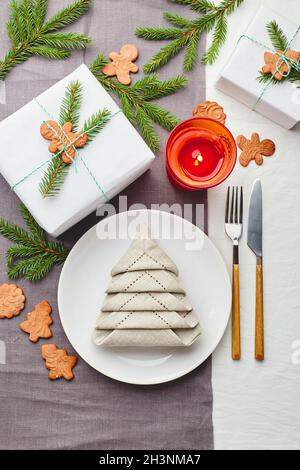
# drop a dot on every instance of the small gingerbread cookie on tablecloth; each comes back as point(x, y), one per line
point(122, 64)
point(254, 149)
point(12, 300)
point(38, 322)
point(59, 363)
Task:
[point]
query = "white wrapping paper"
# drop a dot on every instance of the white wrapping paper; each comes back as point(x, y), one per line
point(116, 157)
point(238, 78)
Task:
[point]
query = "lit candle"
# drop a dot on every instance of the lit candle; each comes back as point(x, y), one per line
point(201, 153)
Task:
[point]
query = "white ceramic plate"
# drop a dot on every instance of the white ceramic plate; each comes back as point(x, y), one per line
point(86, 274)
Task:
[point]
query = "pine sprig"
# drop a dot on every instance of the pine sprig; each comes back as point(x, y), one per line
point(33, 255)
point(96, 123)
point(57, 170)
point(280, 43)
point(30, 35)
point(54, 177)
point(136, 100)
point(186, 34)
point(218, 40)
point(70, 106)
point(277, 36)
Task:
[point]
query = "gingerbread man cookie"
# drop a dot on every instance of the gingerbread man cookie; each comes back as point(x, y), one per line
point(122, 64)
point(210, 109)
point(58, 362)
point(38, 322)
point(254, 149)
point(276, 66)
point(62, 138)
point(12, 300)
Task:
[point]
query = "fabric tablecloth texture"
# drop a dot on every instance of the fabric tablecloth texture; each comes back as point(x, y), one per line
point(94, 412)
point(256, 405)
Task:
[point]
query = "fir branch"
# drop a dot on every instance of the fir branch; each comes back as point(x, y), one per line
point(177, 20)
point(32, 269)
point(54, 177)
point(277, 37)
point(136, 100)
point(57, 170)
point(70, 106)
point(39, 12)
point(66, 40)
point(219, 38)
point(199, 6)
point(33, 255)
point(30, 35)
point(96, 123)
point(146, 128)
point(36, 231)
point(67, 15)
point(186, 34)
point(49, 52)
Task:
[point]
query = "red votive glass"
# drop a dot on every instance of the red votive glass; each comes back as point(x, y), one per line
point(201, 153)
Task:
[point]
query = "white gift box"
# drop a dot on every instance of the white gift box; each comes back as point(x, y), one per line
point(279, 102)
point(116, 157)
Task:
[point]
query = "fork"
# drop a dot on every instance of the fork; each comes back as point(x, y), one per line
point(233, 228)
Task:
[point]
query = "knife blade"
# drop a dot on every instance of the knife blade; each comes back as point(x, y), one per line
point(254, 241)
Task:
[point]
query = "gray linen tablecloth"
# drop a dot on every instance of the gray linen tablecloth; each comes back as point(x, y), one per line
point(93, 411)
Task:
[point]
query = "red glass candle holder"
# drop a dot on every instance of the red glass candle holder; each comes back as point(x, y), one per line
point(201, 153)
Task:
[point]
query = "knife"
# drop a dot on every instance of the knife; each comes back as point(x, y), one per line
point(255, 244)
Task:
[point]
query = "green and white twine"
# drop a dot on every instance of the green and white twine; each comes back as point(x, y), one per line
point(64, 149)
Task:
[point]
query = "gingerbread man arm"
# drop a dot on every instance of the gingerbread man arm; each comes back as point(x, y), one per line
point(54, 145)
point(46, 130)
point(241, 141)
point(267, 147)
point(67, 365)
point(133, 68)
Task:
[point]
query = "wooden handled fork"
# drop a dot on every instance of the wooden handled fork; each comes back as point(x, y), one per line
point(233, 227)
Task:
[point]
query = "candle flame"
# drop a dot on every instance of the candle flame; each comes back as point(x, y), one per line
point(197, 157)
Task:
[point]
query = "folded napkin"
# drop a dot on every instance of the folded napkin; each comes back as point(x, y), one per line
point(145, 304)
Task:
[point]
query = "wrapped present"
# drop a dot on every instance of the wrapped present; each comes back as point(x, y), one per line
point(277, 99)
point(110, 162)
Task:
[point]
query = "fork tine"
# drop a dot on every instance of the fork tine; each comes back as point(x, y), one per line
point(227, 206)
point(232, 205)
point(241, 206)
point(236, 216)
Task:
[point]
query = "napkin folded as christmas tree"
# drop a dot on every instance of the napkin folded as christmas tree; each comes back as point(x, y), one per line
point(145, 304)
